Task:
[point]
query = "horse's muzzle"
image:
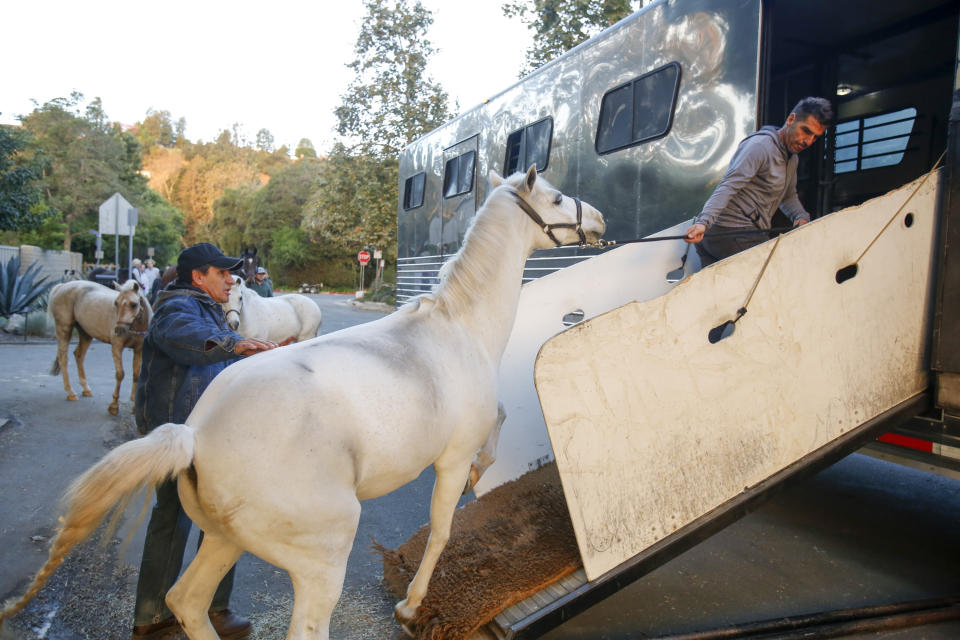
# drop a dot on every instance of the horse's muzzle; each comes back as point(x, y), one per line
point(121, 329)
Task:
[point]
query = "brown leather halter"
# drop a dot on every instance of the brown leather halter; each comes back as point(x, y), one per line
point(548, 228)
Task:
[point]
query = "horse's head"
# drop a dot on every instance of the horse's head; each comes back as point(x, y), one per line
point(250, 263)
point(234, 304)
point(130, 305)
point(562, 220)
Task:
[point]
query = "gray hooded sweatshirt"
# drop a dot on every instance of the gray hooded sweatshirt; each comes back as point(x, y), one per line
point(762, 177)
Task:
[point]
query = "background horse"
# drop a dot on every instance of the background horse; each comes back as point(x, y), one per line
point(117, 317)
point(276, 318)
point(250, 263)
point(284, 478)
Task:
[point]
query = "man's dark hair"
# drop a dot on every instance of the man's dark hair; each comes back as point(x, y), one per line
point(819, 108)
point(187, 278)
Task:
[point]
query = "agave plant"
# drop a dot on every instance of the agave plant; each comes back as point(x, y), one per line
point(19, 293)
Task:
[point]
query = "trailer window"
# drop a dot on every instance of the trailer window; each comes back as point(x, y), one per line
point(458, 174)
point(413, 190)
point(639, 111)
point(877, 141)
point(529, 145)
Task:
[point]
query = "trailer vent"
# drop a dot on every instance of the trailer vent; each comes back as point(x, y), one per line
point(877, 141)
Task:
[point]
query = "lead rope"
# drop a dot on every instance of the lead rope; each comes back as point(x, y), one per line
point(905, 202)
point(722, 331)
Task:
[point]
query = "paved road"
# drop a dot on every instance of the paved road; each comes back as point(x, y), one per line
point(862, 532)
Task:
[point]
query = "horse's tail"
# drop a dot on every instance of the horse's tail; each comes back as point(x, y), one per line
point(134, 465)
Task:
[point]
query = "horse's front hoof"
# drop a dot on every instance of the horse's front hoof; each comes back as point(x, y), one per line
point(88, 394)
point(404, 616)
point(113, 409)
point(72, 397)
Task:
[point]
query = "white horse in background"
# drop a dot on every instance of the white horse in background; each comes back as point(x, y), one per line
point(284, 479)
point(277, 318)
point(118, 316)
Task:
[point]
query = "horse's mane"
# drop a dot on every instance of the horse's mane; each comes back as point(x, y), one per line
point(475, 265)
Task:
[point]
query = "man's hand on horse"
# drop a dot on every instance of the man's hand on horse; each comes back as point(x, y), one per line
point(250, 346)
point(289, 340)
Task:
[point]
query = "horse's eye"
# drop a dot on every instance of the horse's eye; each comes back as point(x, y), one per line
point(559, 200)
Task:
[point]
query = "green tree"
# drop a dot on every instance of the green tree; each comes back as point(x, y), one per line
point(21, 207)
point(391, 100)
point(84, 159)
point(356, 203)
point(265, 140)
point(560, 25)
point(157, 129)
point(305, 149)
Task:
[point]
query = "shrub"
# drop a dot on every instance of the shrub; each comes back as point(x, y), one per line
point(385, 293)
point(19, 293)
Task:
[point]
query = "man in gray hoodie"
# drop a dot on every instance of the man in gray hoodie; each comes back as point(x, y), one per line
point(762, 177)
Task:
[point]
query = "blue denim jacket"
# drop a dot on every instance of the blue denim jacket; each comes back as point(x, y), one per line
point(187, 345)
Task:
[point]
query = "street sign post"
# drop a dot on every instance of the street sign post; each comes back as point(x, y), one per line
point(363, 258)
point(118, 217)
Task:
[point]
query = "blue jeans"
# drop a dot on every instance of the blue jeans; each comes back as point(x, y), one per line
point(163, 550)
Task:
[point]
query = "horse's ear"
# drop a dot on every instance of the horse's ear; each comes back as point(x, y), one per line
point(531, 178)
point(136, 286)
point(494, 178)
point(115, 285)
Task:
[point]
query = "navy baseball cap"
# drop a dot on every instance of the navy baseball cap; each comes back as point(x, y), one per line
point(203, 254)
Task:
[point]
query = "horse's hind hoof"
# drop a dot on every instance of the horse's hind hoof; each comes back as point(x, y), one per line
point(113, 410)
point(72, 397)
point(88, 394)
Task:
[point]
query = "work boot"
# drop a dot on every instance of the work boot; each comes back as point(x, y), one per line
point(168, 629)
point(230, 626)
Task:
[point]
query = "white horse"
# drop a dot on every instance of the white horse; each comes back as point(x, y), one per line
point(276, 318)
point(284, 479)
point(118, 317)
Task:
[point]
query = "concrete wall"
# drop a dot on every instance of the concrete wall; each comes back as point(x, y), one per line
point(54, 265)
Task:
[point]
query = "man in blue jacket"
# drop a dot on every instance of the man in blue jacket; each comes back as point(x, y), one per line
point(187, 344)
point(762, 177)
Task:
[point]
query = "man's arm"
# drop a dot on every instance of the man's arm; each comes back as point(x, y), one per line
point(743, 168)
point(190, 338)
point(791, 205)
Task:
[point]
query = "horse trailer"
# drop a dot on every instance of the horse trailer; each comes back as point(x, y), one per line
point(641, 121)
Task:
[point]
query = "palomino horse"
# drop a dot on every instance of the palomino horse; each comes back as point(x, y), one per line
point(276, 319)
point(119, 318)
point(284, 479)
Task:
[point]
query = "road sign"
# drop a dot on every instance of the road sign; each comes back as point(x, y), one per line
point(363, 257)
point(117, 216)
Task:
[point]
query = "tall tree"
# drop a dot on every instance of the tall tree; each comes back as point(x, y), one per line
point(157, 129)
point(305, 149)
point(391, 100)
point(265, 140)
point(85, 160)
point(560, 25)
point(21, 207)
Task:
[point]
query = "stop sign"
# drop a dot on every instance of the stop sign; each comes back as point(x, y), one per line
point(363, 257)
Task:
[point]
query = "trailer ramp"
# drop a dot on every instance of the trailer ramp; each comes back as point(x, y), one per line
point(662, 437)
